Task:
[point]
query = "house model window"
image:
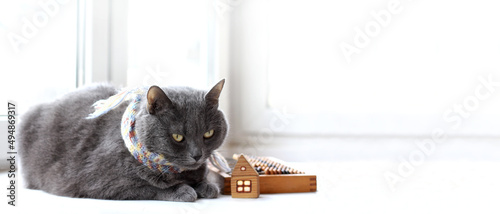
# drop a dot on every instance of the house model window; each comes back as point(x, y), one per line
point(243, 186)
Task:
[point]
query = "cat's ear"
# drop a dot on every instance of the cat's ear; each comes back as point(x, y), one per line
point(212, 97)
point(157, 100)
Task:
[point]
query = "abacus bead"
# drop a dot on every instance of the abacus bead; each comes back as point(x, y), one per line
point(266, 171)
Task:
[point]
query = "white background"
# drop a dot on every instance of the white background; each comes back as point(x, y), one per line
point(289, 83)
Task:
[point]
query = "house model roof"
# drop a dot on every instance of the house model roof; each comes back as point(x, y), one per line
point(244, 168)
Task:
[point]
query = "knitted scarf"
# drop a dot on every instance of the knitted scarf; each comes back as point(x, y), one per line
point(150, 159)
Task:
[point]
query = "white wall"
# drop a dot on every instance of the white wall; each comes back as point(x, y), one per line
point(417, 67)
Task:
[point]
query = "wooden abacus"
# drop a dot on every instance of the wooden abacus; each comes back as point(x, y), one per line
point(268, 166)
point(274, 176)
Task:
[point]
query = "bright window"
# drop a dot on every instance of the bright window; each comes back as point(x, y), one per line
point(243, 186)
point(409, 65)
point(38, 50)
point(168, 42)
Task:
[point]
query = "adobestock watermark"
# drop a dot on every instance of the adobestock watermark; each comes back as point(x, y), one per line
point(461, 111)
point(31, 26)
point(155, 75)
point(363, 35)
point(192, 208)
point(278, 122)
point(222, 7)
point(454, 116)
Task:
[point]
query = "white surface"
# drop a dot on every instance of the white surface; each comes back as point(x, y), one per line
point(343, 187)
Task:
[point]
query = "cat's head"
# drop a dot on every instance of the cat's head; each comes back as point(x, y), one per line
point(183, 124)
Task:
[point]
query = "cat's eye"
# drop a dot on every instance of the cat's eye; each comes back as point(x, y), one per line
point(177, 137)
point(208, 134)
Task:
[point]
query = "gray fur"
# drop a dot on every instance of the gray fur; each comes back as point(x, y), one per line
point(65, 154)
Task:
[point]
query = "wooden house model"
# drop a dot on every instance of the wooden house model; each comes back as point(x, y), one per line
point(244, 180)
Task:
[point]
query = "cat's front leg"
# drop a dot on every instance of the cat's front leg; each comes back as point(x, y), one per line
point(206, 189)
point(157, 180)
point(181, 192)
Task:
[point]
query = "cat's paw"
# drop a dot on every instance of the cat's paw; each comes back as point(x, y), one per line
point(185, 193)
point(207, 190)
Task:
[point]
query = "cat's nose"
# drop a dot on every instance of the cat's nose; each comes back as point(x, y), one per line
point(197, 157)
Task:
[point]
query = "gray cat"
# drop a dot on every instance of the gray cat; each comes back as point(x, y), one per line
point(65, 153)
